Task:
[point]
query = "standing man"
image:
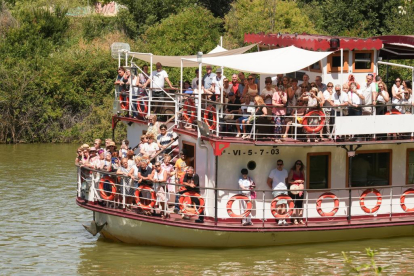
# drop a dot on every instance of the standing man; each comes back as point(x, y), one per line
point(194, 81)
point(208, 78)
point(369, 91)
point(277, 182)
point(159, 77)
point(218, 81)
point(321, 86)
point(242, 77)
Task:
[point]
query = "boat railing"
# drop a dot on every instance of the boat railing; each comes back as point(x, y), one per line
point(343, 205)
point(301, 124)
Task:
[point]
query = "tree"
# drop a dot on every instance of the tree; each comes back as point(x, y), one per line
point(265, 16)
point(142, 14)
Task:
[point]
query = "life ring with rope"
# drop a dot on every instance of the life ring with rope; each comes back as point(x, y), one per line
point(402, 201)
point(362, 201)
point(189, 110)
point(273, 209)
point(186, 201)
point(124, 103)
point(319, 204)
point(393, 112)
point(146, 207)
point(142, 111)
point(246, 199)
point(211, 109)
point(104, 194)
point(308, 117)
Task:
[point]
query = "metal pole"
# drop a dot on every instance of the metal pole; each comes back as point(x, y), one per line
point(150, 92)
point(342, 65)
point(351, 148)
point(199, 95)
point(390, 203)
point(263, 208)
point(216, 193)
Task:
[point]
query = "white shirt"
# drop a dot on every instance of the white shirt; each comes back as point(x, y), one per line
point(158, 79)
point(327, 96)
point(266, 92)
point(367, 93)
point(340, 99)
point(218, 84)
point(152, 148)
point(278, 179)
point(354, 98)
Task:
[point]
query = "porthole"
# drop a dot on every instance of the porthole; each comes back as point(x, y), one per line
point(251, 165)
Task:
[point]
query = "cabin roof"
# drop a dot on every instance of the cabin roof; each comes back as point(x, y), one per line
point(313, 42)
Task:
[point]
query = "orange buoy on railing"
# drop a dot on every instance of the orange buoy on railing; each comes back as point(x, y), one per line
point(319, 204)
point(104, 180)
point(138, 199)
point(209, 109)
point(308, 117)
point(393, 112)
point(189, 111)
point(124, 103)
point(186, 201)
point(142, 112)
point(362, 201)
point(239, 197)
point(402, 200)
point(291, 205)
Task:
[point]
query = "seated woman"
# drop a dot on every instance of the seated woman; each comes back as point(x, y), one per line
point(267, 94)
point(296, 180)
point(408, 102)
point(153, 126)
point(260, 113)
point(159, 178)
point(246, 184)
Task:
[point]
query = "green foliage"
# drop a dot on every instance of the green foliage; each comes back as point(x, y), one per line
point(144, 14)
point(265, 16)
point(97, 26)
point(370, 266)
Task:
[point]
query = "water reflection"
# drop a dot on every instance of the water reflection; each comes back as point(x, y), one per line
point(42, 233)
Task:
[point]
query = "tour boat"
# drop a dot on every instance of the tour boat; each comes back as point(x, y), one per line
point(359, 181)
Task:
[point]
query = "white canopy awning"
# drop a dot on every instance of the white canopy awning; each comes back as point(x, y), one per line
point(277, 61)
point(175, 61)
point(217, 50)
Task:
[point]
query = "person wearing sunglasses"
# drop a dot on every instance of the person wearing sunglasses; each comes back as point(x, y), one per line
point(251, 88)
point(397, 94)
point(340, 99)
point(296, 181)
point(319, 84)
point(369, 92)
point(382, 99)
point(159, 178)
point(277, 180)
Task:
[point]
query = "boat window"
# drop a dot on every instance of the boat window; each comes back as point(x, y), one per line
point(371, 169)
point(334, 62)
point(190, 150)
point(410, 166)
point(363, 61)
point(319, 170)
point(316, 67)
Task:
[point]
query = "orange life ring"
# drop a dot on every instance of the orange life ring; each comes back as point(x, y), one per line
point(393, 112)
point(153, 199)
point(209, 109)
point(402, 201)
point(362, 201)
point(185, 200)
point(189, 107)
point(230, 205)
point(312, 128)
point(141, 112)
point(319, 204)
point(102, 192)
point(274, 203)
point(124, 104)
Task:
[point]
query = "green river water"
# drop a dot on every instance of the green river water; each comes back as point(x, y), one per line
point(42, 233)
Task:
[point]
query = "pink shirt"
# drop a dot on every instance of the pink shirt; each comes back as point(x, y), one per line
point(279, 111)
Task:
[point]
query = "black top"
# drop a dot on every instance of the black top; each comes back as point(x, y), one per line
point(145, 173)
point(234, 107)
point(259, 111)
point(195, 180)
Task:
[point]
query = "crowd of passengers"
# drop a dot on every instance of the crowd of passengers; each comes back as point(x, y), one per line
point(150, 163)
point(282, 99)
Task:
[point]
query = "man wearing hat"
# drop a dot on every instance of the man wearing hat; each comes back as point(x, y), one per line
point(218, 81)
point(208, 78)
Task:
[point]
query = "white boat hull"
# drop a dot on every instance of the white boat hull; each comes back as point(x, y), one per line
point(147, 233)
